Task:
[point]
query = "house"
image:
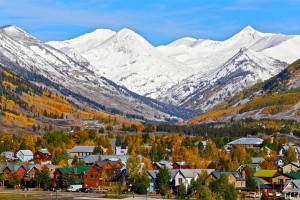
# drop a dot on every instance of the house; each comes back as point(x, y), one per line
point(262, 186)
point(279, 161)
point(292, 189)
point(152, 175)
point(43, 155)
point(273, 177)
point(253, 143)
point(119, 151)
point(101, 172)
point(234, 177)
point(185, 176)
point(8, 155)
point(286, 147)
point(78, 171)
point(80, 152)
point(20, 169)
point(290, 167)
point(91, 159)
point(181, 165)
point(162, 164)
point(254, 167)
point(24, 155)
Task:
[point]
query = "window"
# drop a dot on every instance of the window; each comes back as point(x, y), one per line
point(91, 175)
point(180, 180)
point(280, 181)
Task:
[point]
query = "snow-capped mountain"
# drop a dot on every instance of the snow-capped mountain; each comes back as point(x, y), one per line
point(205, 90)
point(128, 59)
point(189, 71)
point(36, 61)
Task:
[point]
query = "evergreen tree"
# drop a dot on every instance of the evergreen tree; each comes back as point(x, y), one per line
point(163, 181)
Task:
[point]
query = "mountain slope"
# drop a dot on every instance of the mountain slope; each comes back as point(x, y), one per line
point(188, 71)
point(26, 107)
point(39, 62)
point(127, 59)
point(276, 98)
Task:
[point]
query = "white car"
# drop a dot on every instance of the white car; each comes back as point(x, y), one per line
point(253, 195)
point(277, 194)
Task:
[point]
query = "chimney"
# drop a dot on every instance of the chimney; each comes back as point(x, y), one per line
point(243, 174)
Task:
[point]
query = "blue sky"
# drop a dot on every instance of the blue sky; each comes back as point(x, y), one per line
point(159, 21)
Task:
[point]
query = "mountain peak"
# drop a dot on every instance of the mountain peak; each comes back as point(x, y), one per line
point(11, 28)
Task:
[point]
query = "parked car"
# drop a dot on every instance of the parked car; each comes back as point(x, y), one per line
point(254, 195)
point(101, 191)
point(90, 190)
point(82, 190)
point(48, 188)
point(126, 191)
point(56, 188)
point(277, 194)
point(73, 188)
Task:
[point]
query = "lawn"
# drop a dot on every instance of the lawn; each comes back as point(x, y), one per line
point(21, 195)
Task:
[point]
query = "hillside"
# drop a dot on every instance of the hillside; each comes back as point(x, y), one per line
point(276, 98)
point(26, 107)
point(72, 76)
point(190, 73)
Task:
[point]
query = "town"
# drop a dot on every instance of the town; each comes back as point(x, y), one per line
point(167, 165)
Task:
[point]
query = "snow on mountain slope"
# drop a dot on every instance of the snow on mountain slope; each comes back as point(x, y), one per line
point(128, 59)
point(37, 61)
point(244, 69)
point(188, 71)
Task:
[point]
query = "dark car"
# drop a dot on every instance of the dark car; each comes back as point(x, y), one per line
point(126, 191)
point(56, 188)
point(48, 188)
point(82, 190)
point(90, 190)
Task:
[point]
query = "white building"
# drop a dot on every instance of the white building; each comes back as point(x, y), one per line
point(292, 189)
point(24, 155)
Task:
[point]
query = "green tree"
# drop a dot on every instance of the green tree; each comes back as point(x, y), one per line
point(141, 184)
point(43, 177)
point(14, 179)
point(65, 179)
point(181, 191)
point(290, 155)
point(98, 150)
point(205, 193)
point(163, 181)
point(3, 178)
point(223, 189)
point(250, 182)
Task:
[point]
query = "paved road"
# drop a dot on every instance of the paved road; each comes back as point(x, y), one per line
point(68, 196)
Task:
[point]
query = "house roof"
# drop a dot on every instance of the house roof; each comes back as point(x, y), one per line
point(94, 158)
point(26, 152)
point(247, 141)
point(252, 166)
point(8, 154)
point(103, 163)
point(296, 184)
point(265, 173)
point(236, 174)
point(78, 149)
point(262, 183)
point(13, 168)
point(164, 163)
point(191, 173)
point(78, 170)
point(45, 151)
point(153, 173)
point(256, 160)
point(293, 175)
point(112, 142)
